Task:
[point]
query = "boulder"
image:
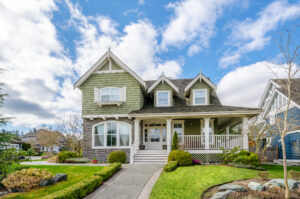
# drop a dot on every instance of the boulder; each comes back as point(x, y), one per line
point(233, 187)
point(222, 194)
point(60, 177)
point(293, 184)
point(47, 182)
point(256, 186)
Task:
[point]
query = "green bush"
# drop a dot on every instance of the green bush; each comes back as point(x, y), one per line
point(175, 141)
point(240, 157)
point(26, 146)
point(170, 166)
point(63, 155)
point(229, 155)
point(108, 171)
point(117, 156)
point(182, 157)
point(30, 152)
point(77, 160)
point(22, 153)
point(250, 159)
point(78, 190)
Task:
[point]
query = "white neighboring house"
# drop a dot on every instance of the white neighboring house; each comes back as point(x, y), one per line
point(15, 144)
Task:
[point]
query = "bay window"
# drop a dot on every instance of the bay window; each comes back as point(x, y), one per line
point(111, 134)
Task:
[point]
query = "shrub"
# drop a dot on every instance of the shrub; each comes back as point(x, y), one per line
point(170, 166)
point(26, 179)
point(250, 159)
point(30, 152)
point(182, 157)
point(108, 171)
point(20, 167)
point(295, 175)
point(77, 160)
point(196, 162)
point(117, 156)
point(26, 146)
point(175, 141)
point(63, 155)
point(22, 153)
point(263, 175)
point(240, 157)
point(229, 155)
point(78, 190)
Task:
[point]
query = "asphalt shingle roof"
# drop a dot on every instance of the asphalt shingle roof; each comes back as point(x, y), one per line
point(295, 88)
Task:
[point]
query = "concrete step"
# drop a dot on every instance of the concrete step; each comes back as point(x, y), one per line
point(152, 151)
point(149, 162)
point(147, 155)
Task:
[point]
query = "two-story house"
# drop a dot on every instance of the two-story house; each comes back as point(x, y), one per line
point(273, 104)
point(121, 111)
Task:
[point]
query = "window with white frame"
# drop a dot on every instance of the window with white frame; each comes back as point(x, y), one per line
point(110, 94)
point(178, 128)
point(199, 97)
point(111, 134)
point(163, 98)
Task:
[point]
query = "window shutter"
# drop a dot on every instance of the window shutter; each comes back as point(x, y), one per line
point(123, 94)
point(96, 95)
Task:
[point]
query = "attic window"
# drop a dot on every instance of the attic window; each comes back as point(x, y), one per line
point(163, 98)
point(199, 97)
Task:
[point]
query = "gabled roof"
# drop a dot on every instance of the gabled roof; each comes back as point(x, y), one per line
point(163, 79)
point(100, 63)
point(200, 77)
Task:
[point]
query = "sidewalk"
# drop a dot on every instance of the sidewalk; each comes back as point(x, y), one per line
point(72, 164)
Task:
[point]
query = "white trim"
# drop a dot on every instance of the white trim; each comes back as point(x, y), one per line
point(110, 71)
point(169, 98)
point(199, 77)
point(182, 124)
point(106, 116)
point(99, 64)
point(204, 151)
point(206, 96)
point(163, 78)
point(105, 135)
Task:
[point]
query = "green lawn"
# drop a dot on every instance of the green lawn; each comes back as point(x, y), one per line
point(190, 182)
point(75, 174)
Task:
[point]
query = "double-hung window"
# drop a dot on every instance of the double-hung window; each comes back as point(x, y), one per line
point(110, 95)
point(199, 97)
point(163, 98)
point(111, 134)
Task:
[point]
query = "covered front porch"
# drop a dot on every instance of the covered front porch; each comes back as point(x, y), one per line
point(198, 135)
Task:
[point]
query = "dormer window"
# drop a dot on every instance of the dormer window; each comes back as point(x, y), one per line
point(200, 97)
point(162, 98)
point(110, 96)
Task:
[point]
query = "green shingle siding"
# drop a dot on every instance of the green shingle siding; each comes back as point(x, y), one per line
point(134, 95)
point(200, 85)
point(163, 87)
point(192, 126)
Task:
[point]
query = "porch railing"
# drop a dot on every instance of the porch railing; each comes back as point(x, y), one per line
point(197, 142)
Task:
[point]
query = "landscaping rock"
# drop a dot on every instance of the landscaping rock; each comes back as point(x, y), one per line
point(293, 184)
point(233, 187)
point(47, 182)
point(3, 193)
point(60, 177)
point(222, 194)
point(256, 186)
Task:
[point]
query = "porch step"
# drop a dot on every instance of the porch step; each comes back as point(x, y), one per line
point(151, 157)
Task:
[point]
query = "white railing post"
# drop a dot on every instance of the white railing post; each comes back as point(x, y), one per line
point(169, 128)
point(206, 132)
point(227, 137)
point(245, 130)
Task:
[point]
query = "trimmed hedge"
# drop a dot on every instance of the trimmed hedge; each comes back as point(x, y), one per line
point(182, 157)
point(78, 190)
point(81, 189)
point(117, 156)
point(108, 171)
point(63, 155)
point(170, 166)
point(77, 160)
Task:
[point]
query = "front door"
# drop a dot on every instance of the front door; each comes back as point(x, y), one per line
point(155, 137)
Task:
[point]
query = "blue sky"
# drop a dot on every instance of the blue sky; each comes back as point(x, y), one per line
point(46, 46)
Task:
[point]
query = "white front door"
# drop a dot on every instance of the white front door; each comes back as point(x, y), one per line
point(155, 138)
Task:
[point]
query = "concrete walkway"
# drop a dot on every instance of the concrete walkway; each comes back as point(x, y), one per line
point(128, 183)
point(72, 164)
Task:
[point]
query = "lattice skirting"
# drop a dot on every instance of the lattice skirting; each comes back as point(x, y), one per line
point(208, 158)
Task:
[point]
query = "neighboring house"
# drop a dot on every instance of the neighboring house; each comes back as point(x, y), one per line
point(14, 144)
point(273, 104)
point(121, 111)
point(42, 138)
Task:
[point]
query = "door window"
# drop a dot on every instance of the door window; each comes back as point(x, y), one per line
point(154, 135)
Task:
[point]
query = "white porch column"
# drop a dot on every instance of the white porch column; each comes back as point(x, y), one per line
point(136, 141)
point(227, 136)
point(206, 132)
point(169, 129)
point(245, 130)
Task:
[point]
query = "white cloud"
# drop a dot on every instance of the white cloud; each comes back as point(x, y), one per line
point(251, 35)
point(136, 46)
point(193, 21)
point(141, 2)
point(245, 85)
point(37, 70)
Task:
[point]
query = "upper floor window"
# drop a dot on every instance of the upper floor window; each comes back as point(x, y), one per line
point(110, 95)
point(199, 97)
point(111, 134)
point(163, 98)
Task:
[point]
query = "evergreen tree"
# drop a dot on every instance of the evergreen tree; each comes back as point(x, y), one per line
point(175, 141)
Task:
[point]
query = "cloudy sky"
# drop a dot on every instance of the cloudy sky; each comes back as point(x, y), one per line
point(46, 45)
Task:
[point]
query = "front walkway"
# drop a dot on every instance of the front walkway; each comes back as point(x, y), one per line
point(70, 164)
point(128, 183)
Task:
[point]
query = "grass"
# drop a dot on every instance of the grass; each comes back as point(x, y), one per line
point(190, 182)
point(75, 174)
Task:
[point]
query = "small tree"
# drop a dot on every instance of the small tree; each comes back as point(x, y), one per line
point(49, 139)
point(175, 141)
